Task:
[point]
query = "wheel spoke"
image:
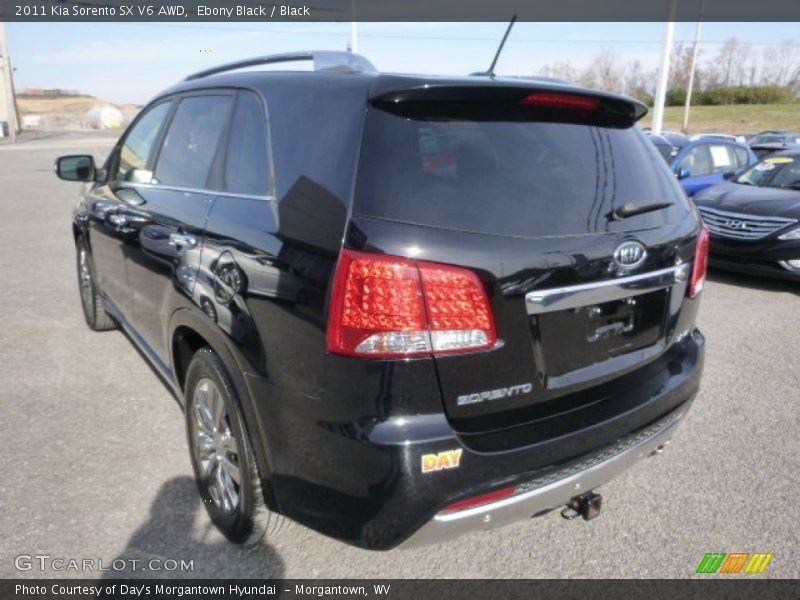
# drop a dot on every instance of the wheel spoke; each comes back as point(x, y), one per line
point(219, 483)
point(205, 418)
point(217, 408)
point(205, 444)
point(232, 470)
point(207, 466)
point(231, 498)
point(228, 443)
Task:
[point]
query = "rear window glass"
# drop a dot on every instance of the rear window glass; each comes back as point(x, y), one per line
point(526, 179)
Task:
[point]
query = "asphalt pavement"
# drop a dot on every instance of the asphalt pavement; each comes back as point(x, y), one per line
point(94, 463)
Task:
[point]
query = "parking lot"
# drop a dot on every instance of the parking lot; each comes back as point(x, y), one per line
point(94, 459)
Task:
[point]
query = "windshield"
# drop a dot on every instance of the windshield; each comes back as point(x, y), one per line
point(774, 171)
point(767, 139)
point(519, 178)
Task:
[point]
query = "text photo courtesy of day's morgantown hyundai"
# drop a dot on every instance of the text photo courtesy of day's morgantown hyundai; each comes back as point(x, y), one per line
point(322, 301)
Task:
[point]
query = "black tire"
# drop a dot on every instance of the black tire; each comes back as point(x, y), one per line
point(246, 521)
point(91, 299)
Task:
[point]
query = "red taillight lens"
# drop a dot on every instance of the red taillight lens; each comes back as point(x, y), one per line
point(552, 100)
point(481, 500)
point(700, 263)
point(387, 306)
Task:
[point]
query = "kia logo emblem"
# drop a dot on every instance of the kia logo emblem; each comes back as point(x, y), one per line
point(630, 255)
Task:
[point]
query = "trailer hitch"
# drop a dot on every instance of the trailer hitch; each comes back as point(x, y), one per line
point(587, 505)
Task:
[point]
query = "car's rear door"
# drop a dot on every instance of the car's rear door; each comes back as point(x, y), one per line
point(526, 200)
point(174, 209)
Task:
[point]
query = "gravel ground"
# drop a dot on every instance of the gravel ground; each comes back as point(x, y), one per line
point(95, 463)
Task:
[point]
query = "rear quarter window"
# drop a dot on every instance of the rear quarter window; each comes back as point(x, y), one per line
point(527, 179)
point(248, 166)
point(192, 141)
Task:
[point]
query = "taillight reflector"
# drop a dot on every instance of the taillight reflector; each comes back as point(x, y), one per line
point(553, 100)
point(388, 306)
point(481, 500)
point(700, 263)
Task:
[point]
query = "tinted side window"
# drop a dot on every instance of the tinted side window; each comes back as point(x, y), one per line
point(248, 168)
point(192, 140)
point(139, 144)
point(698, 161)
point(740, 155)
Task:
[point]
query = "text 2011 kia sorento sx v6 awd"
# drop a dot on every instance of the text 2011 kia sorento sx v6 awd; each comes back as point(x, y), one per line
point(397, 308)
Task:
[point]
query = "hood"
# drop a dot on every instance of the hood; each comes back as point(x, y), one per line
point(750, 199)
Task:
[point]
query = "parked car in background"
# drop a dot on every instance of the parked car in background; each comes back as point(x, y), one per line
point(765, 149)
point(703, 162)
point(665, 147)
point(739, 139)
point(775, 136)
point(754, 218)
point(665, 132)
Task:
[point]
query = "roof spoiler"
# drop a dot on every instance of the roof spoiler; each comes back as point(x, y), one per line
point(497, 101)
point(327, 61)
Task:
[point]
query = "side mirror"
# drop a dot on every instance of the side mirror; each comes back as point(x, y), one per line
point(728, 175)
point(683, 173)
point(77, 167)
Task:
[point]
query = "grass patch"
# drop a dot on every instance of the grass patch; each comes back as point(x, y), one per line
point(736, 118)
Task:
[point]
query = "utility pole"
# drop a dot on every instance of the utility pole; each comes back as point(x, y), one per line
point(8, 86)
point(697, 33)
point(663, 71)
point(353, 28)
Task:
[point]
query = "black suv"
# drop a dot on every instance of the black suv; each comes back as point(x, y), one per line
point(397, 308)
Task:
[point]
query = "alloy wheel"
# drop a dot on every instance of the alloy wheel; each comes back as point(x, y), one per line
point(215, 446)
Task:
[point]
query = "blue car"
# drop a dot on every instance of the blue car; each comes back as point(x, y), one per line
point(703, 162)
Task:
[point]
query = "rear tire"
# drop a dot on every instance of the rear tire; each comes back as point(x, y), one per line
point(222, 457)
point(91, 299)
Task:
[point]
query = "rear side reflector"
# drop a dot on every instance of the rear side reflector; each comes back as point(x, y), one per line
point(700, 263)
point(481, 500)
point(389, 307)
point(553, 100)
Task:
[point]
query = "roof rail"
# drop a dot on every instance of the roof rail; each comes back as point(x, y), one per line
point(329, 61)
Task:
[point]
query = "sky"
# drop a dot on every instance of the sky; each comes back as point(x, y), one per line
point(131, 62)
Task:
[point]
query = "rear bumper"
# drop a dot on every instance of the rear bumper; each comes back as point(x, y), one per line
point(364, 480)
point(556, 489)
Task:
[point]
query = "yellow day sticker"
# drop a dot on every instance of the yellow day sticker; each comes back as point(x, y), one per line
point(779, 160)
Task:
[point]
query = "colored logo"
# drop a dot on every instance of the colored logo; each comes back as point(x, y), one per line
point(736, 562)
point(449, 459)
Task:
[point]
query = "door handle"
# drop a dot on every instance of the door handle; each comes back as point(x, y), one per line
point(117, 219)
point(181, 240)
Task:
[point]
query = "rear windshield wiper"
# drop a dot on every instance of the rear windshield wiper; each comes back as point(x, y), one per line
point(632, 209)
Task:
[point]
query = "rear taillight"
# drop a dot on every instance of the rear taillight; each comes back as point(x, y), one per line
point(700, 263)
point(553, 100)
point(389, 307)
point(481, 500)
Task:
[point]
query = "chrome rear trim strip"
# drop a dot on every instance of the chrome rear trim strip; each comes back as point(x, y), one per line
point(575, 296)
